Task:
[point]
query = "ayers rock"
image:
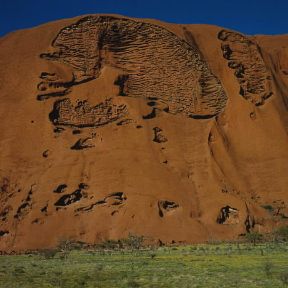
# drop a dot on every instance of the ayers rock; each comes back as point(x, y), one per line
point(112, 125)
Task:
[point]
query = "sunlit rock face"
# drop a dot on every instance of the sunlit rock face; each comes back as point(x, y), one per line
point(113, 126)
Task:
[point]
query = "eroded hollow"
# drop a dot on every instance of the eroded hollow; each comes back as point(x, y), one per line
point(69, 199)
point(165, 206)
point(3, 233)
point(60, 188)
point(228, 215)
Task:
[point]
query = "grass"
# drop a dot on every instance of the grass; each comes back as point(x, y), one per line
point(210, 265)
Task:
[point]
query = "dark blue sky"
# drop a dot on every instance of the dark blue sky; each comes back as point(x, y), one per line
point(247, 16)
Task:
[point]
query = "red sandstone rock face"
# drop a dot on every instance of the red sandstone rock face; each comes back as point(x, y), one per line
point(111, 125)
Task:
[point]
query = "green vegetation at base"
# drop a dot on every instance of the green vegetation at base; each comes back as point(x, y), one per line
point(210, 265)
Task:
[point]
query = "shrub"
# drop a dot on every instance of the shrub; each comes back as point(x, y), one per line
point(110, 245)
point(133, 242)
point(284, 277)
point(133, 284)
point(268, 266)
point(68, 245)
point(18, 270)
point(254, 237)
point(281, 234)
point(48, 253)
point(153, 255)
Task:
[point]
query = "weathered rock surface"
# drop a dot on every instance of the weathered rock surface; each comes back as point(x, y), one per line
point(210, 157)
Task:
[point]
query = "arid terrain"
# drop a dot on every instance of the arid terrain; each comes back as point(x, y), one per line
point(113, 126)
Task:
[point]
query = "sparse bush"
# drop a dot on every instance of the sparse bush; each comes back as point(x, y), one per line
point(284, 277)
point(153, 255)
point(68, 245)
point(63, 255)
point(268, 266)
point(48, 253)
point(133, 284)
point(110, 245)
point(254, 237)
point(281, 234)
point(19, 270)
point(133, 242)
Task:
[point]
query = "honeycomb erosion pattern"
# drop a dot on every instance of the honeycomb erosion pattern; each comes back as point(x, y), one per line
point(245, 58)
point(156, 65)
point(83, 115)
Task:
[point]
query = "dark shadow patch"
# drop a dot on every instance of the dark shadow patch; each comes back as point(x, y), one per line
point(57, 129)
point(151, 115)
point(121, 81)
point(82, 144)
point(44, 209)
point(25, 207)
point(5, 213)
point(152, 103)
point(228, 215)
point(116, 198)
point(165, 206)
point(69, 199)
point(3, 233)
point(201, 116)
point(75, 132)
point(60, 188)
point(46, 153)
point(83, 186)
